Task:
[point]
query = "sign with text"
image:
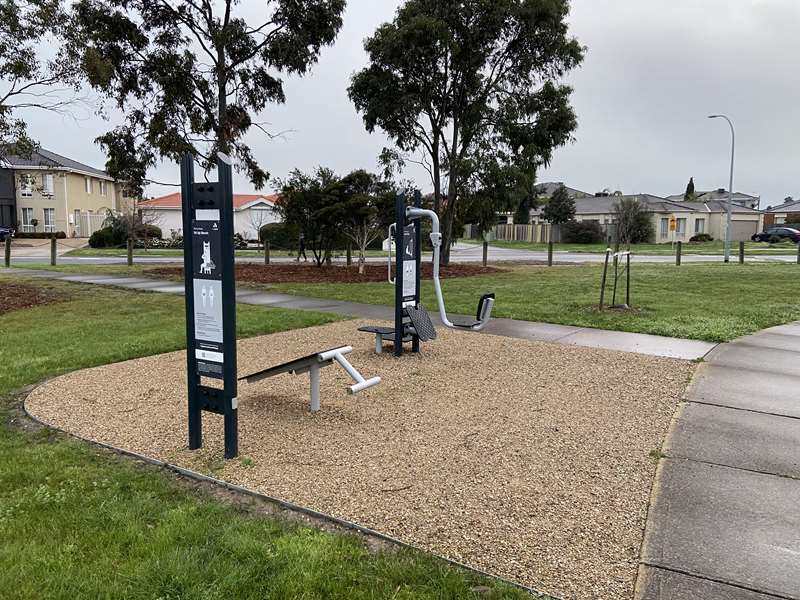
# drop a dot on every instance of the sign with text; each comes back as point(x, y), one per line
point(207, 284)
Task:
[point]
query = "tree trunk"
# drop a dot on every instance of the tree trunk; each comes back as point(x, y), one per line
point(447, 219)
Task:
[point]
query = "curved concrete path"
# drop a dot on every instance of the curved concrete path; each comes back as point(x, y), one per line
point(725, 520)
point(639, 343)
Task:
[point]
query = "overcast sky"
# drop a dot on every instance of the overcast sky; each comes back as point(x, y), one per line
point(654, 70)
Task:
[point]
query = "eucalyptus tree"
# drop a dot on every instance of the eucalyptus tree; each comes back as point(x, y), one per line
point(193, 75)
point(471, 87)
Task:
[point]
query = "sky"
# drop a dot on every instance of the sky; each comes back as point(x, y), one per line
point(654, 70)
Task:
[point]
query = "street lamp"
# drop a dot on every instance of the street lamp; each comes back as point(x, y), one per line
point(730, 189)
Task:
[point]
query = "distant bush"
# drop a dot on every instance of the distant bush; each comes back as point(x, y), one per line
point(280, 235)
point(582, 232)
point(115, 237)
point(103, 238)
point(775, 239)
point(39, 235)
point(701, 237)
point(239, 243)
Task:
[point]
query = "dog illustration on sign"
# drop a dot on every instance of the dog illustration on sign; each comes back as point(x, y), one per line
point(207, 265)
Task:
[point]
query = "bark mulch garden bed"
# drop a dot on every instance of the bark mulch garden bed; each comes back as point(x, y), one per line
point(15, 296)
point(529, 460)
point(308, 273)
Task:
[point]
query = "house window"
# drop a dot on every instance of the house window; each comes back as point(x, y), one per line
point(680, 226)
point(27, 217)
point(49, 220)
point(47, 184)
point(664, 227)
point(26, 186)
point(102, 188)
point(700, 226)
point(87, 182)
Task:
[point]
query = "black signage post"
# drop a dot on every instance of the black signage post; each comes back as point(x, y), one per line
point(208, 265)
point(408, 241)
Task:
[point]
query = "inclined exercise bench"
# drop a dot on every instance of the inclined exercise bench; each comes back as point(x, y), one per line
point(417, 322)
point(312, 364)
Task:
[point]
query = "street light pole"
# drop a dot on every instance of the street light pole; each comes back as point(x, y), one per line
point(730, 188)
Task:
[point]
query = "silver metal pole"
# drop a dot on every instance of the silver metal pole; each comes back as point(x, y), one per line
point(730, 187)
point(313, 373)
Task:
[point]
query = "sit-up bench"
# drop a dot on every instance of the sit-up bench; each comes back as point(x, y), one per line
point(312, 364)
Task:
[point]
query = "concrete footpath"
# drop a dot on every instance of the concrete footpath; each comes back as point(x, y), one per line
point(725, 517)
point(639, 343)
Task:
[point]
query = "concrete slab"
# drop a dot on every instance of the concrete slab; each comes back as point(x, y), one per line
point(299, 303)
point(144, 285)
point(639, 342)
point(544, 332)
point(168, 289)
point(788, 329)
point(760, 391)
point(658, 584)
point(263, 299)
point(778, 341)
point(737, 438)
point(728, 525)
point(95, 279)
point(742, 356)
point(126, 281)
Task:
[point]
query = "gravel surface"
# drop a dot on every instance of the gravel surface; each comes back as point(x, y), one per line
point(528, 460)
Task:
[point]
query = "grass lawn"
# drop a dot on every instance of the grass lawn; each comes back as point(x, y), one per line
point(713, 302)
point(706, 248)
point(77, 522)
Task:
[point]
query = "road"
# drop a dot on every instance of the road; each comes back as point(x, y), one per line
point(461, 253)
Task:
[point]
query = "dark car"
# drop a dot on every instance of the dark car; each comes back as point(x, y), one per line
point(784, 233)
point(5, 232)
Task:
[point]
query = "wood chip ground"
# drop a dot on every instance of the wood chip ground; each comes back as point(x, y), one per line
point(528, 460)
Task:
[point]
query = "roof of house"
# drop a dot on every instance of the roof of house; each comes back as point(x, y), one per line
point(605, 204)
point(792, 205)
point(719, 194)
point(240, 201)
point(43, 158)
point(548, 188)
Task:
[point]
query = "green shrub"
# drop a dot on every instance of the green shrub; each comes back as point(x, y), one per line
point(701, 237)
point(775, 239)
point(103, 238)
point(280, 235)
point(582, 232)
point(39, 235)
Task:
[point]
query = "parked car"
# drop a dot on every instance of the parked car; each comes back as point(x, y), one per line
point(6, 232)
point(784, 233)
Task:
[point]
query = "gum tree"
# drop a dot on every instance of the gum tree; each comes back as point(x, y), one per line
point(192, 75)
point(471, 87)
point(30, 79)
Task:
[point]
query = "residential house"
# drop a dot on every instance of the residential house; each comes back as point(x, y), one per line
point(55, 192)
point(545, 191)
point(250, 213)
point(748, 200)
point(691, 218)
point(788, 212)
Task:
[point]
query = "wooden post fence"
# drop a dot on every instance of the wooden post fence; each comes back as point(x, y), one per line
point(741, 253)
point(53, 250)
point(266, 252)
point(550, 253)
point(678, 251)
point(485, 253)
point(130, 252)
point(8, 251)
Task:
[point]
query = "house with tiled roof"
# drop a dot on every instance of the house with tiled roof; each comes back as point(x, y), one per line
point(691, 218)
point(48, 192)
point(250, 213)
point(786, 212)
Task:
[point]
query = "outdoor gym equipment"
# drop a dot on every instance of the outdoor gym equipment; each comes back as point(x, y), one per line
point(411, 321)
point(312, 364)
point(626, 271)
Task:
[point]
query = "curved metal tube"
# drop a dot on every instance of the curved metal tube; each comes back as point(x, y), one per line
point(436, 240)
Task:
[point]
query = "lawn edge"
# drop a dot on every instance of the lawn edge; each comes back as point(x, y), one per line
point(315, 517)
